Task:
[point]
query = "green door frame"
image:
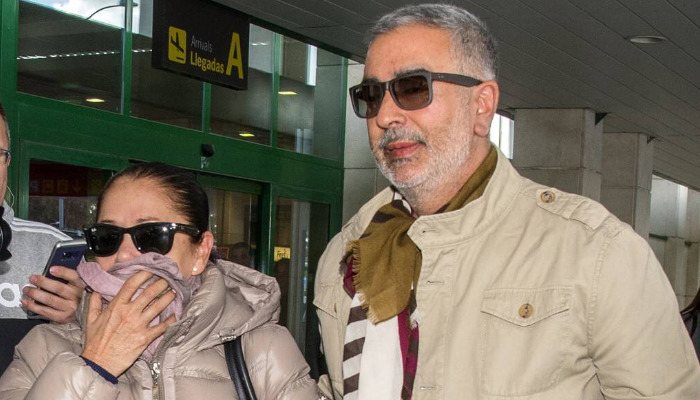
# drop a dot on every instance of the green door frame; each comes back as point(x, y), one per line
point(57, 131)
point(39, 151)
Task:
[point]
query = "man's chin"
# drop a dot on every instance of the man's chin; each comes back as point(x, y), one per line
point(402, 173)
point(403, 180)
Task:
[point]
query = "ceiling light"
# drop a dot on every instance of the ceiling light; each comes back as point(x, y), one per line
point(245, 134)
point(646, 39)
point(94, 100)
point(287, 93)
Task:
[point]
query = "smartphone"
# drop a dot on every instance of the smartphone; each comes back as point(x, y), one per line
point(68, 254)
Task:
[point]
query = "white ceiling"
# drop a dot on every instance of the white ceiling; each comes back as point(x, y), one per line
point(560, 54)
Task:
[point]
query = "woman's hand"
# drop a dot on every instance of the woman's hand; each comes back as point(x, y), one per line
point(116, 336)
point(52, 299)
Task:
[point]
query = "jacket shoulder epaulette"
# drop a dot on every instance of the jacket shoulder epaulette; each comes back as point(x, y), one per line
point(572, 207)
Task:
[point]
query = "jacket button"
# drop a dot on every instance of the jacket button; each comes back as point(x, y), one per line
point(547, 196)
point(526, 310)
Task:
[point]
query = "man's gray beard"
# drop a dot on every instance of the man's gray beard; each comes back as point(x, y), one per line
point(441, 165)
point(385, 166)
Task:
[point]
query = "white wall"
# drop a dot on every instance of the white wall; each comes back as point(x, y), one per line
point(674, 235)
point(362, 179)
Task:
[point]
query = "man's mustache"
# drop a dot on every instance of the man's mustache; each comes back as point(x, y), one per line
point(393, 135)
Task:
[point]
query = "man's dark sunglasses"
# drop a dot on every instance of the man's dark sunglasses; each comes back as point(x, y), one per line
point(410, 92)
point(105, 239)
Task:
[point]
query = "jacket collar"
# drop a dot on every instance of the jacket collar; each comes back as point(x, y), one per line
point(231, 301)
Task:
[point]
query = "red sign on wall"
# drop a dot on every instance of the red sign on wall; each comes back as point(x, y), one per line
point(58, 180)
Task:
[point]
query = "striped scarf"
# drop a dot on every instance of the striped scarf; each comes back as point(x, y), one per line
point(381, 273)
point(357, 328)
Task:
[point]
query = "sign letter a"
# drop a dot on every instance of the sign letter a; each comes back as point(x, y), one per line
point(235, 58)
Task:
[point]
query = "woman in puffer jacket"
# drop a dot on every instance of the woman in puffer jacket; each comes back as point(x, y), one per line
point(160, 309)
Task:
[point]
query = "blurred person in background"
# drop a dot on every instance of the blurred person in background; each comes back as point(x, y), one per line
point(24, 250)
point(240, 254)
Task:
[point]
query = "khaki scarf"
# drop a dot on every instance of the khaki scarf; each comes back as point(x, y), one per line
point(386, 261)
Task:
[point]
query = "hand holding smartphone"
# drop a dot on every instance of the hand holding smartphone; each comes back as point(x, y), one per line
point(68, 254)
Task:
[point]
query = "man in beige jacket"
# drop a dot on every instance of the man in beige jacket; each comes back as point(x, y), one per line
point(465, 280)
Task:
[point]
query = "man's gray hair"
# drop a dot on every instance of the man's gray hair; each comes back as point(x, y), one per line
point(471, 40)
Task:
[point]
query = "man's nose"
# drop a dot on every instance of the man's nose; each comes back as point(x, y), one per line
point(389, 114)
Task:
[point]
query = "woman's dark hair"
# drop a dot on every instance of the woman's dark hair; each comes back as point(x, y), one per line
point(187, 196)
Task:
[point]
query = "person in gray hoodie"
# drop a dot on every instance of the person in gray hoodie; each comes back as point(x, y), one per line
point(25, 247)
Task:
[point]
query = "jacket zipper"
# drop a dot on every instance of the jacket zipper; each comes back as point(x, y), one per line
point(155, 366)
point(155, 374)
point(226, 338)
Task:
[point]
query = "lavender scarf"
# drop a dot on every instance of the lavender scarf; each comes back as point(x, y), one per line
point(108, 283)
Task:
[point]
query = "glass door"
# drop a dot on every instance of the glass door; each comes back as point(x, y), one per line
point(300, 237)
point(64, 195)
point(59, 186)
point(234, 218)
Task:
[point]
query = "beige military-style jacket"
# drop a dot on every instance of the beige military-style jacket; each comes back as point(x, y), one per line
point(528, 293)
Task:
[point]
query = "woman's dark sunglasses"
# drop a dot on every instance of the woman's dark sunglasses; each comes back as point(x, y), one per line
point(105, 239)
point(410, 92)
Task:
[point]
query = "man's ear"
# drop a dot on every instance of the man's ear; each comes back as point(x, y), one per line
point(486, 105)
point(203, 251)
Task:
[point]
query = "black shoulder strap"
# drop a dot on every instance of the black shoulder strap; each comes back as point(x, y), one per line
point(238, 370)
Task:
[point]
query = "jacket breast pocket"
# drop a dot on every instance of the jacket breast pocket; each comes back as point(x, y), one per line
point(524, 338)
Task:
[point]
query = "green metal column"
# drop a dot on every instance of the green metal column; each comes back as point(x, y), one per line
point(9, 27)
point(276, 70)
point(127, 47)
point(206, 107)
point(268, 211)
